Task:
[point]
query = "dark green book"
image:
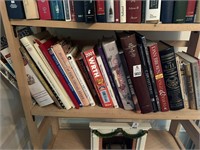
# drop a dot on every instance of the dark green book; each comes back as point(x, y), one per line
point(170, 72)
point(180, 8)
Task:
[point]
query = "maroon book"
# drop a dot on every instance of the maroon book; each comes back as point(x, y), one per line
point(117, 10)
point(129, 46)
point(73, 16)
point(133, 11)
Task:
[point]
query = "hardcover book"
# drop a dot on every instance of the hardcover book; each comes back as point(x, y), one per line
point(167, 8)
point(129, 46)
point(89, 10)
point(67, 12)
point(133, 11)
point(72, 11)
point(117, 10)
point(15, 9)
point(180, 8)
point(143, 15)
point(100, 11)
point(197, 17)
point(97, 77)
point(44, 9)
point(57, 10)
point(122, 11)
point(114, 62)
point(110, 12)
point(168, 62)
point(153, 9)
point(79, 11)
point(31, 9)
point(190, 12)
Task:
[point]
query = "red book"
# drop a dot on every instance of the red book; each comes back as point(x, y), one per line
point(133, 11)
point(44, 48)
point(97, 77)
point(44, 9)
point(72, 11)
point(158, 73)
point(190, 11)
point(117, 10)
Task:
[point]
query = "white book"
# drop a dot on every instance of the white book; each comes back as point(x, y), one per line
point(72, 62)
point(31, 9)
point(153, 9)
point(67, 11)
point(122, 11)
point(49, 75)
point(6, 54)
point(37, 90)
point(110, 13)
point(105, 76)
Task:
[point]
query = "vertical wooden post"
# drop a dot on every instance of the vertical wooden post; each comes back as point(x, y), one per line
point(20, 74)
point(194, 44)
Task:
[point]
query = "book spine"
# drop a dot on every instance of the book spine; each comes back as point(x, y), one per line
point(180, 8)
point(110, 12)
point(79, 11)
point(133, 11)
point(89, 10)
point(172, 82)
point(147, 76)
point(196, 77)
point(153, 9)
point(57, 101)
point(100, 11)
point(114, 62)
point(117, 10)
point(44, 9)
point(197, 17)
point(122, 11)
point(110, 76)
point(105, 76)
point(130, 84)
point(31, 9)
point(66, 7)
point(143, 15)
point(37, 90)
point(80, 79)
point(100, 85)
point(190, 12)
point(57, 11)
point(158, 73)
point(167, 8)
point(15, 9)
point(58, 50)
point(134, 65)
point(31, 50)
point(190, 87)
point(72, 11)
point(6, 54)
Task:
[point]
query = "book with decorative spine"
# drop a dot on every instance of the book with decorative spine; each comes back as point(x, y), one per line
point(44, 9)
point(153, 9)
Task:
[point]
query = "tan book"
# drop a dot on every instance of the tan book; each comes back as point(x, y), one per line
point(61, 49)
point(31, 9)
point(197, 18)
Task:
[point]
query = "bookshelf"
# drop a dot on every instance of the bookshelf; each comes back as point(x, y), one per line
point(52, 113)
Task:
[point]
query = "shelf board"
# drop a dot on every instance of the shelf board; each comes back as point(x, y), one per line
point(107, 26)
point(113, 113)
point(80, 139)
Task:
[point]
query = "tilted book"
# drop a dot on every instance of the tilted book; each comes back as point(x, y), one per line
point(28, 42)
point(49, 61)
point(129, 46)
point(31, 9)
point(114, 62)
point(97, 77)
point(168, 62)
point(71, 58)
point(60, 50)
point(44, 9)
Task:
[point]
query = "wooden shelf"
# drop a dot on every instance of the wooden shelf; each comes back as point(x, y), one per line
point(108, 113)
point(80, 139)
point(107, 26)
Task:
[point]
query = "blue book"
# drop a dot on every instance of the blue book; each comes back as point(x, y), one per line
point(167, 10)
point(64, 75)
point(57, 10)
point(15, 9)
point(79, 11)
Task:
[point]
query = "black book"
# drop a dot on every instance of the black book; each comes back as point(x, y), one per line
point(172, 82)
point(15, 9)
point(79, 11)
point(89, 10)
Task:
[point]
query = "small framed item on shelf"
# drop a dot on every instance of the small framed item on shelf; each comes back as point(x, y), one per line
point(118, 135)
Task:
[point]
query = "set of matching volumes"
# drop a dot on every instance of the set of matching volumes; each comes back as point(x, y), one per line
point(131, 73)
point(119, 11)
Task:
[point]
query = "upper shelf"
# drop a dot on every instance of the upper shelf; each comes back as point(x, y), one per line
point(107, 26)
point(113, 113)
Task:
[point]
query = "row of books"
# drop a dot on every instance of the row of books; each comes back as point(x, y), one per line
point(134, 74)
point(124, 11)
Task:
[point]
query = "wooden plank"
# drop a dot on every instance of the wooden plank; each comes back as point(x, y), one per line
point(99, 112)
point(20, 74)
point(107, 26)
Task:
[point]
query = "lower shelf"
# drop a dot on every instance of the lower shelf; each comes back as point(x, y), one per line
point(80, 139)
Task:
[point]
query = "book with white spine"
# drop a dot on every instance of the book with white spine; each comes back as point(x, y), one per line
point(67, 11)
point(28, 42)
point(105, 76)
point(31, 9)
point(153, 9)
point(110, 13)
point(122, 11)
point(71, 58)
